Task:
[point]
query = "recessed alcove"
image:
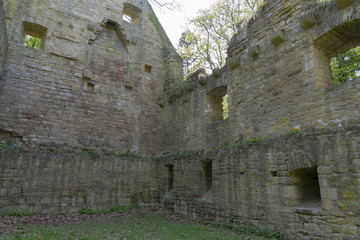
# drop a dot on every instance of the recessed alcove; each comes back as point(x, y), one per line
point(207, 180)
point(307, 188)
point(216, 100)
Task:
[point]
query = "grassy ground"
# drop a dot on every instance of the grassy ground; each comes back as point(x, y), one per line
point(137, 224)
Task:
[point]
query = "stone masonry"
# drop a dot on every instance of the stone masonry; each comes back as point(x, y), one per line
point(94, 82)
point(106, 85)
point(3, 41)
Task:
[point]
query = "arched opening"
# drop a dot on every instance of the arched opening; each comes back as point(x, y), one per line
point(338, 54)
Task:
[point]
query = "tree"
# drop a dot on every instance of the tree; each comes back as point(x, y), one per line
point(205, 40)
point(346, 66)
point(33, 42)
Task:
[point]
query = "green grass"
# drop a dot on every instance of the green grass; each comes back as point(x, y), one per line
point(134, 226)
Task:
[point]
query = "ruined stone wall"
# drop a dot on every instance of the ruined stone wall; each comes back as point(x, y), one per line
point(265, 184)
point(3, 40)
point(277, 78)
point(58, 182)
point(94, 82)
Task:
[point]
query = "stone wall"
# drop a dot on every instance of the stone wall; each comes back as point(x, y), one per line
point(100, 82)
point(277, 78)
point(270, 184)
point(58, 182)
point(3, 40)
point(94, 82)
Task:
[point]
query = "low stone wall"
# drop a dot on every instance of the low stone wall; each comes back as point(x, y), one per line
point(273, 183)
point(3, 41)
point(50, 183)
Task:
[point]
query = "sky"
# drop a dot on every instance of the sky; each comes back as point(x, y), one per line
point(174, 22)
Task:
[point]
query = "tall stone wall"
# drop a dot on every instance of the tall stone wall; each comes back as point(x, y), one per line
point(3, 40)
point(94, 82)
point(272, 184)
point(277, 78)
point(58, 182)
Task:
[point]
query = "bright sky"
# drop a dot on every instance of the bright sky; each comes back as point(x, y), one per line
point(175, 21)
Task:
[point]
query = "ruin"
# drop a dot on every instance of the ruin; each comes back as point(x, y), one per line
point(105, 87)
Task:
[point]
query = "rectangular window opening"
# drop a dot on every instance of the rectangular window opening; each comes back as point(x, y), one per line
point(207, 168)
point(132, 14)
point(148, 68)
point(90, 87)
point(34, 35)
point(170, 177)
point(307, 187)
point(218, 104)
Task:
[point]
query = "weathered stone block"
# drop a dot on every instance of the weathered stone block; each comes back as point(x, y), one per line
point(278, 37)
point(234, 62)
point(308, 20)
point(254, 51)
point(216, 72)
point(329, 193)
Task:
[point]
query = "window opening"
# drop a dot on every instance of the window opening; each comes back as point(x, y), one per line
point(90, 87)
point(207, 180)
point(132, 14)
point(218, 104)
point(127, 18)
point(170, 177)
point(225, 107)
point(346, 66)
point(148, 68)
point(307, 185)
point(34, 35)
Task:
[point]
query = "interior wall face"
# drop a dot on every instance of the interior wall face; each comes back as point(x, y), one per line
point(286, 158)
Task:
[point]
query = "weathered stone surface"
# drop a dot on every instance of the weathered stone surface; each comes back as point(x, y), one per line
point(254, 51)
point(277, 37)
point(100, 82)
point(87, 85)
point(308, 20)
point(50, 183)
point(3, 41)
point(245, 190)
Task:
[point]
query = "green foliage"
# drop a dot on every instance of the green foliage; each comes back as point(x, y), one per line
point(225, 107)
point(32, 41)
point(20, 213)
point(346, 66)
point(293, 131)
point(93, 153)
point(87, 210)
point(137, 225)
point(111, 209)
point(182, 154)
point(203, 44)
point(11, 145)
